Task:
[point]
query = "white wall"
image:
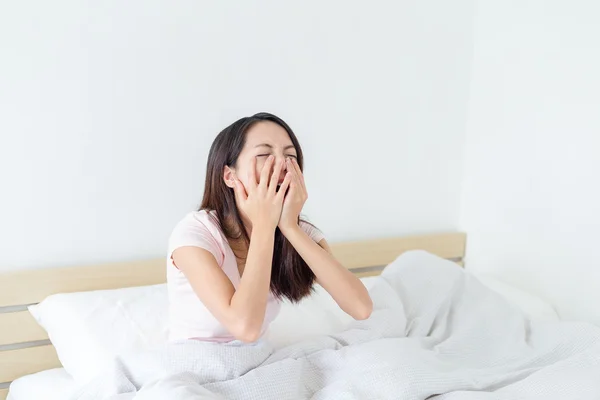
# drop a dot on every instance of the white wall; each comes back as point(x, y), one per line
point(109, 108)
point(531, 199)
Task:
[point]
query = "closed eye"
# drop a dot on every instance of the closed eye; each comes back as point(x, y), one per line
point(287, 155)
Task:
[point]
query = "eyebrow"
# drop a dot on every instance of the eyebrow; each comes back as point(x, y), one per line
point(291, 146)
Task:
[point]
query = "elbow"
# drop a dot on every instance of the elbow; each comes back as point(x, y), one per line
point(363, 310)
point(363, 313)
point(247, 332)
point(249, 336)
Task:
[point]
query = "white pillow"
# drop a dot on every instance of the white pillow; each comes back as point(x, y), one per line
point(88, 329)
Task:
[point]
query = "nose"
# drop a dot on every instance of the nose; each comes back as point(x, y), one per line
point(283, 171)
point(282, 174)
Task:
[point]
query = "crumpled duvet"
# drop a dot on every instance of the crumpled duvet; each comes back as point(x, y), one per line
point(435, 332)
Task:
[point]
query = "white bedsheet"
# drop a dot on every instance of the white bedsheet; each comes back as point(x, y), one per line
point(318, 315)
point(53, 384)
point(434, 330)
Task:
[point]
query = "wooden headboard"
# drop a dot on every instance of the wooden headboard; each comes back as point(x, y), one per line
point(24, 345)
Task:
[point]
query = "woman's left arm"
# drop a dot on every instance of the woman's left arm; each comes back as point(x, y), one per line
point(345, 288)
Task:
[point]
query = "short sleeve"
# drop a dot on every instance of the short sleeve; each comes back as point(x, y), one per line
point(312, 231)
point(194, 230)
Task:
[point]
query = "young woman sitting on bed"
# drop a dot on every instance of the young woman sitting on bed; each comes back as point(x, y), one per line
point(232, 262)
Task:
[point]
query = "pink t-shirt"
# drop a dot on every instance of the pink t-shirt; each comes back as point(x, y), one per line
point(188, 317)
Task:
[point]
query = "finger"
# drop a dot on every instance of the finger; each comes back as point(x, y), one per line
point(239, 190)
point(284, 186)
point(292, 169)
point(299, 178)
point(298, 169)
point(294, 184)
point(275, 176)
point(252, 174)
point(266, 170)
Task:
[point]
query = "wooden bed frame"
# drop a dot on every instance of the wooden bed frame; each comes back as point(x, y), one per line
point(24, 345)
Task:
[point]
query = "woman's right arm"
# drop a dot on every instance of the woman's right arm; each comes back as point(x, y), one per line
point(241, 311)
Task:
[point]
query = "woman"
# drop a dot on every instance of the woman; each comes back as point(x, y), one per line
point(246, 249)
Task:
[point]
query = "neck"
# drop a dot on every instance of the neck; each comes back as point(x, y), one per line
point(233, 227)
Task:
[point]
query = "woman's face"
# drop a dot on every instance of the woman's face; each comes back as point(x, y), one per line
point(263, 139)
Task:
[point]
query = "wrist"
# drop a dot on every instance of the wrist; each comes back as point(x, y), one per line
point(289, 228)
point(262, 230)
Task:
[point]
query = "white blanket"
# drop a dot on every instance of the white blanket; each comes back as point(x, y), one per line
point(435, 332)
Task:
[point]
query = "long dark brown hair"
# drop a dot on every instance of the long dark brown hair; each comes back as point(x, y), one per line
point(291, 277)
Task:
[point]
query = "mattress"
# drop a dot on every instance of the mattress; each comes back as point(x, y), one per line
point(317, 315)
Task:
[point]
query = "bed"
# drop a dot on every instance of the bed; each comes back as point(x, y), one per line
point(29, 359)
point(25, 348)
